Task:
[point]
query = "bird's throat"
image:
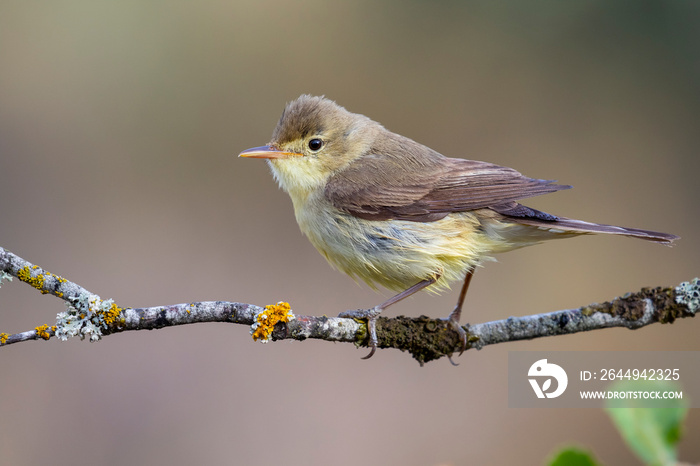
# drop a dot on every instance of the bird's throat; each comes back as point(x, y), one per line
point(298, 178)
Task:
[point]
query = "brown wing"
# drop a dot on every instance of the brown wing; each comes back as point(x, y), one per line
point(423, 186)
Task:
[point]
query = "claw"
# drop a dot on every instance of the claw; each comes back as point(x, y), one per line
point(371, 353)
point(372, 327)
point(460, 331)
point(371, 316)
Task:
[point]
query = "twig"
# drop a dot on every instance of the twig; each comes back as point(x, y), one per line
point(424, 338)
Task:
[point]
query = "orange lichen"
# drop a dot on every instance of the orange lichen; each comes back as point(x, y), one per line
point(25, 274)
point(265, 321)
point(41, 332)
point(37, 282)
point(3, 338)
point(112, 314)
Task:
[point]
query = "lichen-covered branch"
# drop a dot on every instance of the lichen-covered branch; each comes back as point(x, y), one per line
point(426, 339)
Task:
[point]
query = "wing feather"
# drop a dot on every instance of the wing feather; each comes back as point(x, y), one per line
point(408, 181)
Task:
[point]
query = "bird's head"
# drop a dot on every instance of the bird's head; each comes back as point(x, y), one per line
point(314, 138)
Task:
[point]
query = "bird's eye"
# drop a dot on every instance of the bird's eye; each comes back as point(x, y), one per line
point(315, 144)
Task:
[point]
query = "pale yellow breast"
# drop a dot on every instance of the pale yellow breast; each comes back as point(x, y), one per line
point(397, 254)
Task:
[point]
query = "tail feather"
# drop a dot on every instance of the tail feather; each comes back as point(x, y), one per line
point(579, 226)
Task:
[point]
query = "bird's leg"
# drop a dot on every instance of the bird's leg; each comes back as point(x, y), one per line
point(372, 314)
point(456, 313)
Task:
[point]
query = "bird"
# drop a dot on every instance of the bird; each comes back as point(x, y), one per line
point(392, 212)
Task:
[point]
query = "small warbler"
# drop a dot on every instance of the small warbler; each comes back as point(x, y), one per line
point(392, 212)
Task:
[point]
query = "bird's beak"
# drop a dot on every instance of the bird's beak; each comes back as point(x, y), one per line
point(267, 152)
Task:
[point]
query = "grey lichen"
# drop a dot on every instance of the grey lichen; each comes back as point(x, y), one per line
point(85, 316)
point(5, 277)
point(688, 294)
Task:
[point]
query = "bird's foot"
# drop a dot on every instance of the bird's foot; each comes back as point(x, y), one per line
point(453, 322)
point(371, 316)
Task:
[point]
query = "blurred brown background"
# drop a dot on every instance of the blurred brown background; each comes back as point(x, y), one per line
point(119, 128)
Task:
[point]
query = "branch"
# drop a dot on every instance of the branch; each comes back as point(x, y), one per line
point(424, 338)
